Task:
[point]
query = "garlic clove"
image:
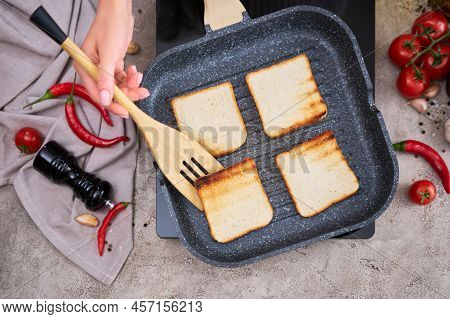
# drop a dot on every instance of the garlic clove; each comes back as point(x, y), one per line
point(432, 91)
point(447, 130)
point(133, 48)
point(87, 220)
point(420, 105)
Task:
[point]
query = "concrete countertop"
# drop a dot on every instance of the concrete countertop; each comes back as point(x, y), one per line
point(407, 258)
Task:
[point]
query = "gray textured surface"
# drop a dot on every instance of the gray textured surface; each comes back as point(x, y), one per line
point(407, 257)
point(231, 53)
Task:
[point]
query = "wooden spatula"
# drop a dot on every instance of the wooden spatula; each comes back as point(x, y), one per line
point(181, 159)
point(220, 14)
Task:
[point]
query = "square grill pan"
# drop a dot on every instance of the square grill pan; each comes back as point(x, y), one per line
point(228, 55)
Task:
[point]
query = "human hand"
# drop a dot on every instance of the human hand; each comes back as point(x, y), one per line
point(106, 44)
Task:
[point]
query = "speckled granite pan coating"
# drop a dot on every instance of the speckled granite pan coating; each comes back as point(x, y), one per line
point(338, 67)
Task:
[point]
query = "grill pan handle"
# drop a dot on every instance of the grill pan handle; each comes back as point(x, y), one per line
point(223, 13)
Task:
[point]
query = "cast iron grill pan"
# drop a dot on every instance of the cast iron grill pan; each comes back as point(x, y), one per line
point(338, 67)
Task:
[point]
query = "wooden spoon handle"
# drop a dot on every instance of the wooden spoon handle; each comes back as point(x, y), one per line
point(85, 62)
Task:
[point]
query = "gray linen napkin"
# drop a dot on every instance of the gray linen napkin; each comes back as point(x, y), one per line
point(29, 64)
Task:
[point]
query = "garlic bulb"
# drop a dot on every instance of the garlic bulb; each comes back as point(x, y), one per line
point(420, 105)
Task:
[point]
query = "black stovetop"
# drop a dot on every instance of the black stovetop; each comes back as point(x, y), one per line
point(181, 21)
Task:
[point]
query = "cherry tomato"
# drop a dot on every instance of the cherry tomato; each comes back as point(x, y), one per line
point(432, 23)
point(28, 140)
point(413, 81)
point(422, 192)
point(437, 62)
point(403, 48)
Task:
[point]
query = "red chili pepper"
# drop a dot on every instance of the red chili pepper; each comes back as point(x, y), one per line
point(82, 133)
point(65, 88)
point(101, 235)
point(429, 154)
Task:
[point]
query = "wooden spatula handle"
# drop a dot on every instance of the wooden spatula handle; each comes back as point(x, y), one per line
point(85, 62)
point(222, 13)
point(171, 149)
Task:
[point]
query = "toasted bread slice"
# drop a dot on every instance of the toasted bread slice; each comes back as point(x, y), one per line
point(286, 96)
point(211, 116)
point(317, 174)
point(234, 200)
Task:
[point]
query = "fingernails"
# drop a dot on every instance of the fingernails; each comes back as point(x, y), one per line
point(133, 69)
point(145, 95)
point(118, 110)
point(139, 78)
point(122, 113)
point(105, 98)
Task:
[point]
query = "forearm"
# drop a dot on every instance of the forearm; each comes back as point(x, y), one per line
point(123, 6)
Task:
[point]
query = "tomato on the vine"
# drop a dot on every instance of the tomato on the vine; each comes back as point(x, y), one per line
point(413, 81)
point(437, 62)
point(28, 140)
point(422, 192)
point(403, 48)
point(432, 23)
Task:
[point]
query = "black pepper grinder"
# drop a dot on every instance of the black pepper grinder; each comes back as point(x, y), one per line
point(55, 162)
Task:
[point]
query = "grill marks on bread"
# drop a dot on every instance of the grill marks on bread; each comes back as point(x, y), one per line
point(211, 116)
point(323, 177)
point(235, 202)
point(286, 96)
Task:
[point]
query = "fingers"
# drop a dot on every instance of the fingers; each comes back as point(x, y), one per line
point(139, 78)
point(105, 81)
point(132, 77)
point(93, 88)
point(88, 82)
point(137, 93)
point(121, 78)
point(120, 66)
point(130, 30)
point(131, 87)
point(119, 73)
point(117, 109)
point(129, 82)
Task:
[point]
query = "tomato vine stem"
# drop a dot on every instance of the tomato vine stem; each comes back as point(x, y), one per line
point(428, 48)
